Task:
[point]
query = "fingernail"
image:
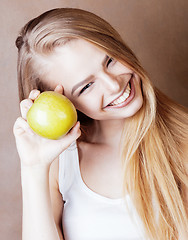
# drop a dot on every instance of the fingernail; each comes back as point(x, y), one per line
point(36, 94)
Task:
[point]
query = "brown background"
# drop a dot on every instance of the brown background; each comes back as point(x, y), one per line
point(157, 32)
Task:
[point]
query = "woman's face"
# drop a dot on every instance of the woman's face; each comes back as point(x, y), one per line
point(99, 86)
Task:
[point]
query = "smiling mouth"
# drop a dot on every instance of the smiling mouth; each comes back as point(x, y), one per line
point(125, 97)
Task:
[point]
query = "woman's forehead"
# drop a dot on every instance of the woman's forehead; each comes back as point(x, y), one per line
point(77, 49)
point(73, 62)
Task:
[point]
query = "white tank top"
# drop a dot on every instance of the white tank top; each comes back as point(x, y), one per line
point(88, 215)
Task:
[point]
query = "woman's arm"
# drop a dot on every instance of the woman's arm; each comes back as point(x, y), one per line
point(38, 220)
point(39, 197)
point(36, 155)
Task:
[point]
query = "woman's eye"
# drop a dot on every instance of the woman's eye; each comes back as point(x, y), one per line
point(110, 60)
point(84, 88)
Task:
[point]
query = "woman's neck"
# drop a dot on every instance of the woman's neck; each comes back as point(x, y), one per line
point(107, 132)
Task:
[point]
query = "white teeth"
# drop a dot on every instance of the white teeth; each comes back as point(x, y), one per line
point(126, 94)
point(123, 97)
point(128, 89)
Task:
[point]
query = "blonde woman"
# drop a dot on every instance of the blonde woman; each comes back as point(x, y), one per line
point(121, 172)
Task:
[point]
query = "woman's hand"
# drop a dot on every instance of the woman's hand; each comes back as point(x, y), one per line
point(33, 149)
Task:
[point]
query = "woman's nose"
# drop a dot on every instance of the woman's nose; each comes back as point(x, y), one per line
point(109, 81)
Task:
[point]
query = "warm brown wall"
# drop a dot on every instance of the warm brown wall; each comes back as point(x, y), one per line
point(155, 29)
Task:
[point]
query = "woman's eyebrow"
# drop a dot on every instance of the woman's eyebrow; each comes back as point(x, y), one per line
point(88, 78)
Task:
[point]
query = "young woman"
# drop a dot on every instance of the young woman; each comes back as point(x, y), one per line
point(121, 172)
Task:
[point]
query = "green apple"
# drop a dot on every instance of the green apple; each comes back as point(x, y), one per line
point(52, 115)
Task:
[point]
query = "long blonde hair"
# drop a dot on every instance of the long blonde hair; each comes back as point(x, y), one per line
point(152, 160)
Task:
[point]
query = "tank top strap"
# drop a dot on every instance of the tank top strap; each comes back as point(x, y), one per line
point(68, 165)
